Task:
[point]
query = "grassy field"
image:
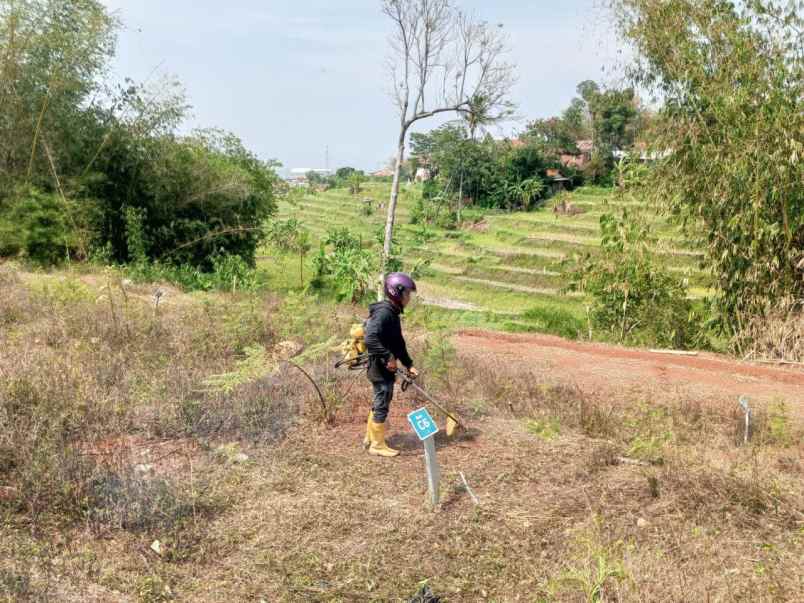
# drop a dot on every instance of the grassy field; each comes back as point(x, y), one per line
point(128, 475)
point(507, 271)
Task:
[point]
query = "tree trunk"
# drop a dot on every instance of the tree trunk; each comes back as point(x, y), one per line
point(460, 194)
point(389, 222)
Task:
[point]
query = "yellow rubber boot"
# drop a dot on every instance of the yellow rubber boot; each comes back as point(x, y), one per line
point(378, 446)
point(367, 438)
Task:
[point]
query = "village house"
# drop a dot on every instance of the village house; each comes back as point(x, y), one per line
point(581, 158)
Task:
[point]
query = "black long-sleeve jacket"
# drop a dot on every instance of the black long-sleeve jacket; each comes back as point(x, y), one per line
point(383, 332)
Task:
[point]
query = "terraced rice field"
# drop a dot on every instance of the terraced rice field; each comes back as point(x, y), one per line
point(509, 269)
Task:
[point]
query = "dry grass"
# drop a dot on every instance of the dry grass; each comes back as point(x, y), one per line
point(778, 336)
point(110, 444)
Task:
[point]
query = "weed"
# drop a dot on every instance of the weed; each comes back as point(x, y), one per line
point(228, 273)
point(650, 447)
point(16, 586)
point(479, 407)
point(62, 292)
point(653, 486)
point(597, 569)
point(153, 589)
point(547, 430)
point(774, 427)
point(555, 320)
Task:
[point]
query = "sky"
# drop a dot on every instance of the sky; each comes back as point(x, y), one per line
point(300, 81)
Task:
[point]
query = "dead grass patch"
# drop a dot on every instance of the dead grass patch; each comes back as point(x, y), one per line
point(104, 424)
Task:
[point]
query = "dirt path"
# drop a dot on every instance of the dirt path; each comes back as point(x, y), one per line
point(614, 370)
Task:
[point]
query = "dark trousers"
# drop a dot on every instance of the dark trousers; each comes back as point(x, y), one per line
point(383, 394)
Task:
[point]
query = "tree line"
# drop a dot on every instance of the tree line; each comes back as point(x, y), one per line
point(88, 169)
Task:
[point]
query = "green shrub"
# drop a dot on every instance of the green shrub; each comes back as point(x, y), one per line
point(228, 273)
point(555, 320)
point(634, 298)
point(40, 226)
point(345, 265)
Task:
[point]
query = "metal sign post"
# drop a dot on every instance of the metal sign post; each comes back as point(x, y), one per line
point(425, 429)
point(747, 410)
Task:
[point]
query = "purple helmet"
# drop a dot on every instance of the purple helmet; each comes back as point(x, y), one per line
point(396, 284)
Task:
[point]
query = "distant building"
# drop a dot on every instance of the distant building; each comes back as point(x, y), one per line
point(558, 182)
point(298, 176)
point(423, 175)
point(642, 154)
point(581, 158)
point(383, 173)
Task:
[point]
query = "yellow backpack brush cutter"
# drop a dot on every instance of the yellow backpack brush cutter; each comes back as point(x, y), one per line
point(355, 354)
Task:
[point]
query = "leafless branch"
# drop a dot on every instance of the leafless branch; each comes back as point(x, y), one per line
point(443, 60)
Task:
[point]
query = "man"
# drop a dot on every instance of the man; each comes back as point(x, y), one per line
point(386, 347)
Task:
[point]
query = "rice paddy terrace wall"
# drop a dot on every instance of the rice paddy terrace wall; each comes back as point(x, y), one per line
point(508, 270)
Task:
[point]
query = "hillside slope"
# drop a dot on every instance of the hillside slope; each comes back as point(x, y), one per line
point(506, 271)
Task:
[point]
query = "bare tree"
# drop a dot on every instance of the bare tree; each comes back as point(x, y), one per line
point(442, 60)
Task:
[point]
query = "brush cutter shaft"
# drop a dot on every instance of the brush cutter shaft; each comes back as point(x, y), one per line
point(408, 381)
point(361, 361)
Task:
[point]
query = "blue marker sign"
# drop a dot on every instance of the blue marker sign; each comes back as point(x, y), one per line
point(423, 423)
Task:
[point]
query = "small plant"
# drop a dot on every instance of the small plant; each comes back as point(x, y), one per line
point(256, 364)
point(422, 234)
point(526, 192)
point(16, 586)
point(367, 207)
point(153, 589)
point(547, 429)
point(649, 447)
point(229, 273)
point(439, 356)
point(591, 580)
point(290, 236)
point(356, 180)
point(774, 426)
point(555, 320)
point(596, 567)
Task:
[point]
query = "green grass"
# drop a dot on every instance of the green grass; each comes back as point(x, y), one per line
point(506, 274)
